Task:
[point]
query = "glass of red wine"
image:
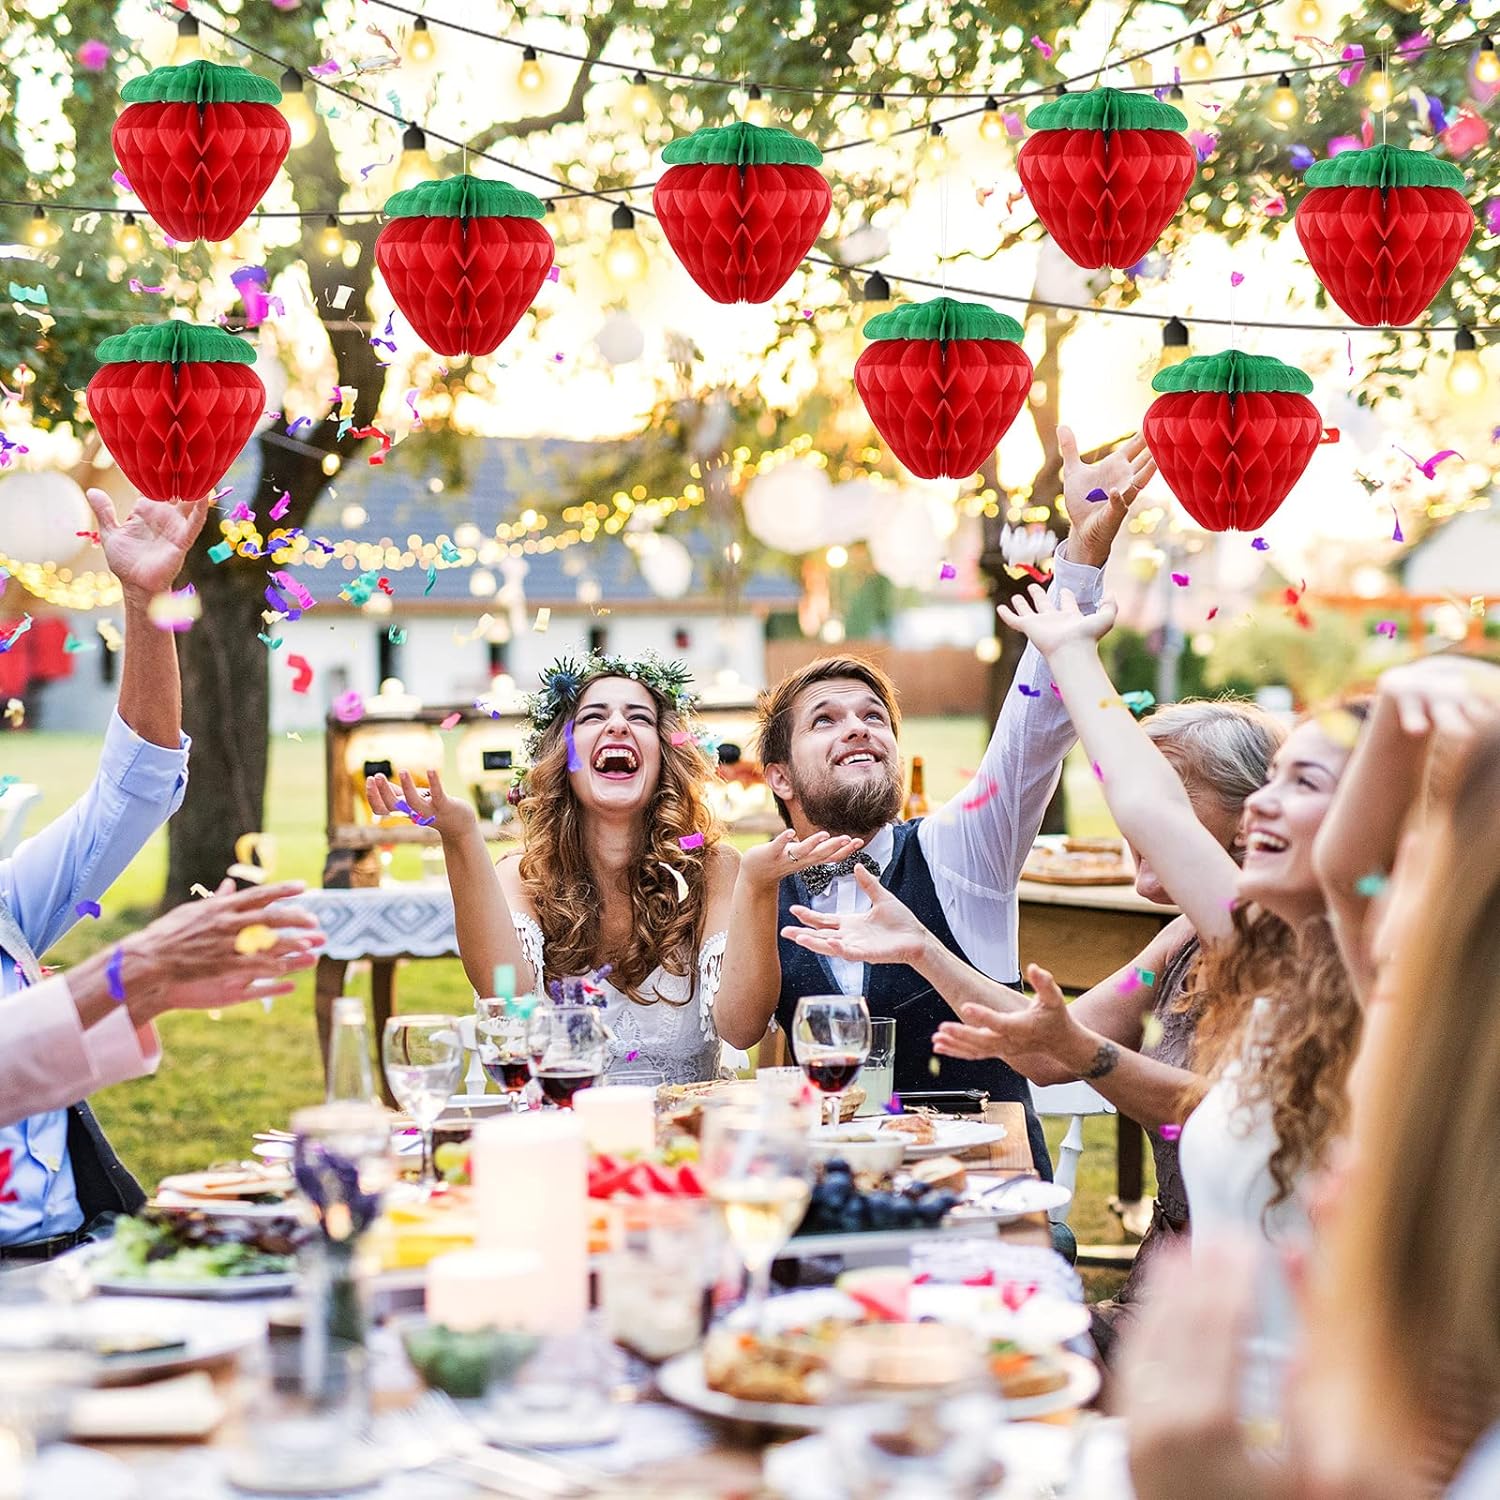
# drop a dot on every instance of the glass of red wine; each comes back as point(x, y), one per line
point(569, 1045)
point(504, 1048)
point(831, 1039)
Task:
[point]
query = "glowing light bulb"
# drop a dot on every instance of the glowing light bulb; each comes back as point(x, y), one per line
point(1466, 376)
point(421, 45)
point(330, 239)
point(296, 109)
point(1283, 101)
point(331, 464)
point(129, 238)
point(939, 152)
point(530, 78)
point(1174, 343)
point(415, 165)
point(1309, 15)
point(1487, 64)
point(757, 111)
point(1199, 62)
point(640, 101)
point(625, 261)
point(1378, 88)
point(41, 232)
point(991, 126)
point(189, 46)
point(878, 122)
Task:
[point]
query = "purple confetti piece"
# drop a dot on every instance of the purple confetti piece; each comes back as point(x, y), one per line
point(114, 974)
point(1260, 544)
point(1236, 277)
point(893, 1105)
point(293, 428)
point(1386, 628)
point(1302, 158)
point(283, 505)
point(691, 841)
point(1204, 144)
point(1354, 54)
point(118, 178)
point(554, 273)
point(1094, 496)
point(364, 172)
point(1182, 579)
point(632, 1055)
point(1028, 692)
point(1396, 535)
point(947, 571)
point(16, 634)
point(1042, 47)
point(575, 760)
point(86, 909)
point(403, 806)
point(1170, 1132)
point(1342, 143)
point(1098, 772)
point(1437, 118)
point(328, 68)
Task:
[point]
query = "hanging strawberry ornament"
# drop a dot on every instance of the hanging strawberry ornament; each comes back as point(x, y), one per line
point(741, 205)
point(942, 382)
point(1384, 228)
point(463, 258)
point(199, 145)
point(1105, 171)
point(1232, 434)
point(175, 404)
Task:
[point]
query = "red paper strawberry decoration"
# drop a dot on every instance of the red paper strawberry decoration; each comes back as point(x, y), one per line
point(1232, 434)
point(1384, 228)
point(1105, 171)
point(942, 382)
point(175, 404)
point(463, 258)
point(741, 205)
point(199, 145)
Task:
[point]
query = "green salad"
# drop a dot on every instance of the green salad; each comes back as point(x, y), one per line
point(187, 1247)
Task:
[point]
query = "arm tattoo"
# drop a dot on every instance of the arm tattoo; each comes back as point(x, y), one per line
point(1104, 1060)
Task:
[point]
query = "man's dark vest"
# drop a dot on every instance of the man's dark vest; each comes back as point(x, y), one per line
point(900, 992)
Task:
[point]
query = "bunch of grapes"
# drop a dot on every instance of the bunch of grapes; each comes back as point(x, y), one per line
point(839, 1206)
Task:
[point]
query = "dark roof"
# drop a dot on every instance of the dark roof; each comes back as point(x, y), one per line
point(501, 478)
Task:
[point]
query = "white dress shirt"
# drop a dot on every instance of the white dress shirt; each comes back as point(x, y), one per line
point(48, 1059)
point(975, 853)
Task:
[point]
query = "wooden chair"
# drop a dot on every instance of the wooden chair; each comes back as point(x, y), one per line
point(1073, 1100)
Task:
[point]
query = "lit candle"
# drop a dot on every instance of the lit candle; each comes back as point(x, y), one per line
point(472, 1289)
point(618, 1120)
point(531, 1194)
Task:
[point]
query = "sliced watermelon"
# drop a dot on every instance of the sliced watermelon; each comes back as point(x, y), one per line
point(883, 1291)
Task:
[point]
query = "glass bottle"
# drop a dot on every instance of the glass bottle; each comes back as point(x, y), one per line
point(917, 805)
point(349, 1073)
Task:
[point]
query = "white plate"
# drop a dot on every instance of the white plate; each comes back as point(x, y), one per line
point(237, 1208)
point(1014, 1200)
point(956, 1136)
point(205, 1340)
point(66, 1470)
point(219, 1289)
point(681, 1380)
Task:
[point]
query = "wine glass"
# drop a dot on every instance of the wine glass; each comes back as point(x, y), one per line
point(423, 1059)
point(831, 1039)
point(573, 1047)
point(504, 1047)
point(755, 1161)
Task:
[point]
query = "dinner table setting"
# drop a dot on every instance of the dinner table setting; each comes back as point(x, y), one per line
point(544, 1276)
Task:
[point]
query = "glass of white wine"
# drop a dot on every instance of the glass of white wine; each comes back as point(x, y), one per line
point(755, 1161)
point(423, 1059)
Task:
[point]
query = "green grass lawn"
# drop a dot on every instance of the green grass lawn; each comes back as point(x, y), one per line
point(222, 1078)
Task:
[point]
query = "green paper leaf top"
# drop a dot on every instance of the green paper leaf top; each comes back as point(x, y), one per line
point(464, 197)
point(175, 342)
point(742, 145)
point(201, 83)
point(943, 318)
point(1106, 109)
point(1233, 372)
point(1385, 167)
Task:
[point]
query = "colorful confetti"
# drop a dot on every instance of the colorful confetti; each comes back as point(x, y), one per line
point(575, 760)
point(1028, 692)
point(302, 673)
point(1397, 535)
point(86, 909)
point(1260, 544)
point(1139, 701)
point(691, 841)
point(256, 938)
point(283, 504)
point(543, 620)
point(1371, 885)
point(220, 551)
point(1043, 47)
point(982, 794)
point(142, 290)
point(1182, 580)
point(1236, 278)
point(349, 708)
point(452, 721)
point(1170, 1132)
point(1429, 466)
point(1094, 496)
point(114, 974)
point(15, 634)
point(680, 736)
point(1386, 628)
point(947, 571)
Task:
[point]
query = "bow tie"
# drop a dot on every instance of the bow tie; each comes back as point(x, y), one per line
point(817, 878)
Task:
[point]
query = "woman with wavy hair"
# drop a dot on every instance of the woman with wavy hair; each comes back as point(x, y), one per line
point(622, 865)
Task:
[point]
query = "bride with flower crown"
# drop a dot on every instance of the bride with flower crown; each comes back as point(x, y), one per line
point(622, 863)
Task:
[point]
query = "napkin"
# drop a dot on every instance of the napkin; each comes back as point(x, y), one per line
point(185, 1407)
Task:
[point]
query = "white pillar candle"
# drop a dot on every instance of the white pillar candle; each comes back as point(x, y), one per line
point(618, 1120)
point(470, 1289)
point(531, 1194)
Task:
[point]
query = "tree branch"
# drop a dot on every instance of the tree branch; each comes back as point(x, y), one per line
point(597, 33)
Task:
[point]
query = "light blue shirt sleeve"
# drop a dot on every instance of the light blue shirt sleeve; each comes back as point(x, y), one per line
point(78, 856)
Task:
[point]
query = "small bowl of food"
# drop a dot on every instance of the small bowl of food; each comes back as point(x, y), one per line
point(864, 1147)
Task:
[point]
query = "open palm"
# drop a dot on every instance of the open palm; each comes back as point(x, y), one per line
point(147, 549)
point(886, 932)
point(1120, 475)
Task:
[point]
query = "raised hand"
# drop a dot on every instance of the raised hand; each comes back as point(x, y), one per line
point(1451, 695)
point(147, 549)
point(451, 816)
point(1049, 629)
point(1121, 474)
point(887, 933)
point(1038, 1029)
point(765, 864)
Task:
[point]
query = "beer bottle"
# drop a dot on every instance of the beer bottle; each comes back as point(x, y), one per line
point(917, 805)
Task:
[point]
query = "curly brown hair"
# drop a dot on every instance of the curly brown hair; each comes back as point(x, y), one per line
point(1300, 1065)
point(666, 925)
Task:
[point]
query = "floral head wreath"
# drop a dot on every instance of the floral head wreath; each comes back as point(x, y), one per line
point(564, 681)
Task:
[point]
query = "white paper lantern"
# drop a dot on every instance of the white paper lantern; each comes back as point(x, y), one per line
point(906, 541)
point(785, 507)
point(850, 509)
point(621, 339)
point(41, 516)
point(666, 565)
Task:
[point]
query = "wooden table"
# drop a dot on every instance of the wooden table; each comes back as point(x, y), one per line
point(1081, 934)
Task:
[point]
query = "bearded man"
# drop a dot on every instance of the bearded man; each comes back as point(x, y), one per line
point(829, 752)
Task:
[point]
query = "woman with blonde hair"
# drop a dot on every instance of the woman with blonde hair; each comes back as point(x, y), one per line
point(622, 865)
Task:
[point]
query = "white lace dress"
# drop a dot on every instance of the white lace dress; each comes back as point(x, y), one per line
point(676, 1039)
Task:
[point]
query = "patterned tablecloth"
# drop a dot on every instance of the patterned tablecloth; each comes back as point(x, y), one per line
point(412, 919)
